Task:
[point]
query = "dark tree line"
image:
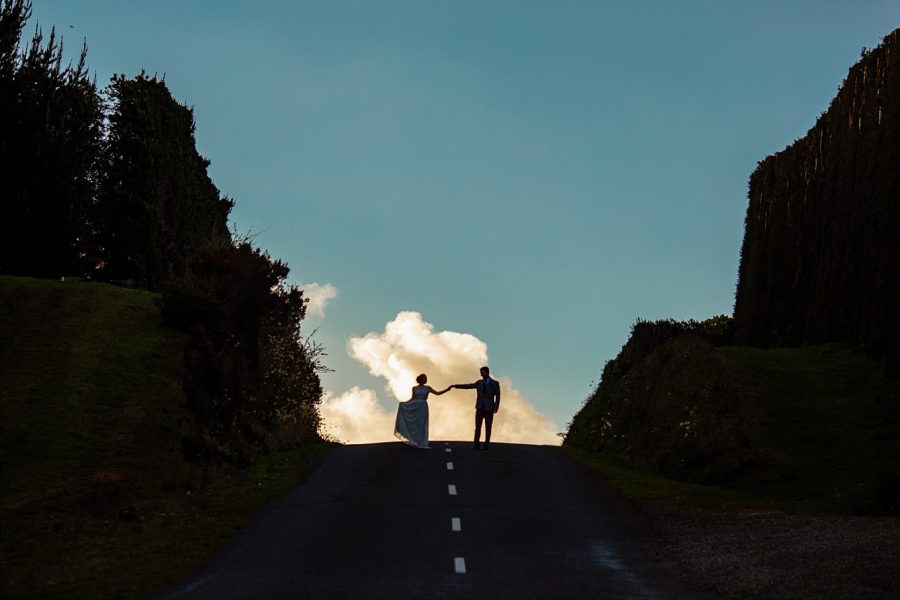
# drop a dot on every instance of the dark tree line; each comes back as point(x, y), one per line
point(821, 255)
point(820, 263)
point(49, 142)
point(156, 206)
point(108, 185)
point(100, 183)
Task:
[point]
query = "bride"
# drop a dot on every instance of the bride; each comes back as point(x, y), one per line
point(412, 416)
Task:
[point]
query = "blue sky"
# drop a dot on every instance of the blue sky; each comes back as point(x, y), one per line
point(535, 174)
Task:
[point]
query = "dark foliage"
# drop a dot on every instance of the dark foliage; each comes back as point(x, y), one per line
point(820, 262)
point(118, 191)
point(252, 380)
point(156, 205)
point(665, 402)
point(821, 254)
point(49, 142)
point(647, 336)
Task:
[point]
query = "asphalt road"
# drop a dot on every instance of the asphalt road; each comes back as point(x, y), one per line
point(390, 521)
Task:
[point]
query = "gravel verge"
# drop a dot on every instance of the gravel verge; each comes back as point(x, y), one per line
point(776, 555)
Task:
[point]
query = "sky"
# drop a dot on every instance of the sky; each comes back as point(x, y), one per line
point(468, 182)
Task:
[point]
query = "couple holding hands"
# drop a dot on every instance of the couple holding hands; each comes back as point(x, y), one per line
point(412, 416)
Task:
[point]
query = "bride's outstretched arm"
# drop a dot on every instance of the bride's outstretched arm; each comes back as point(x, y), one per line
point(438, 393)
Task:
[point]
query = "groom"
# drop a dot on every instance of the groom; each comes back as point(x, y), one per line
point(486, 404)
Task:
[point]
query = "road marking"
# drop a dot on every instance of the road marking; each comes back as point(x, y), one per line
point(449, 466)
point(456, 524)
point(459, 565)
point(447, 450)
point(451, 489)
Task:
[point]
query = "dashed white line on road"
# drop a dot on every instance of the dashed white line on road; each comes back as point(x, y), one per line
point(448, 450)
point(456, 524)
point(451, 489)
point(449, 466)
point(459, 565)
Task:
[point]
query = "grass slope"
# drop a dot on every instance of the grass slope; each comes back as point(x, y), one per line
point(823, 427)
point(97, 500)
point(825, 424)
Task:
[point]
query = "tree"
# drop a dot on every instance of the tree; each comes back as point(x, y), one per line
point(49, 141)
point(820, 260)
point(252, 379)
point(157, 206)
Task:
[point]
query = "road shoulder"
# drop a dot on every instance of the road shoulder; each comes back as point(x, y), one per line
point(774, 555)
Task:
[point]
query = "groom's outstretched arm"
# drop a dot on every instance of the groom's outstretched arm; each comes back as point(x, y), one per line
point(465, 386)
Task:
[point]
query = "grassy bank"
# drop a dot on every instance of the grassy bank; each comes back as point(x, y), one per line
point(98, 500)
point(646, 486)
point(822, 425)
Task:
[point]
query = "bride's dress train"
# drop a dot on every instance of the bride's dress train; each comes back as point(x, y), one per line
point(412, 419)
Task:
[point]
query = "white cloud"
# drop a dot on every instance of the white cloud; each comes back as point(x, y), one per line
point(409, 346)
point(319, 296)
point(355, 416)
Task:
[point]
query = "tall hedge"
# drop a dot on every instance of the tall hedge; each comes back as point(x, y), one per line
point(821, 254)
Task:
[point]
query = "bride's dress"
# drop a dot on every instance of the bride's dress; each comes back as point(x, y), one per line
point(412, 418)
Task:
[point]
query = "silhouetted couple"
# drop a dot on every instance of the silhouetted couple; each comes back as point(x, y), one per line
point(412, 416)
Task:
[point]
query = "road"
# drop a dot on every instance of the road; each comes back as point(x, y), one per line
point(390, 521)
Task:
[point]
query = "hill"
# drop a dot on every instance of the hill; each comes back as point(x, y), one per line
point(814, 428)
point(813, 422)
point(98, 499)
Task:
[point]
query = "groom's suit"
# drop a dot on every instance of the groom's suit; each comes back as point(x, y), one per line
point(487, 402)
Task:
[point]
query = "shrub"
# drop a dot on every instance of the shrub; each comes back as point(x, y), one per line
point(252, 379)
point(666, 402)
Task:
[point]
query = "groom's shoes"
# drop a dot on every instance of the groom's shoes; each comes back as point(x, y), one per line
point(486, 446)
point(475, 447)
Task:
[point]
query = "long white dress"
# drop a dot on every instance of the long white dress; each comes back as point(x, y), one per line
point(412, 418)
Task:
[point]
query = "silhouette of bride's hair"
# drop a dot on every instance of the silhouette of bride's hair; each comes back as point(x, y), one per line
point(421, 379)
